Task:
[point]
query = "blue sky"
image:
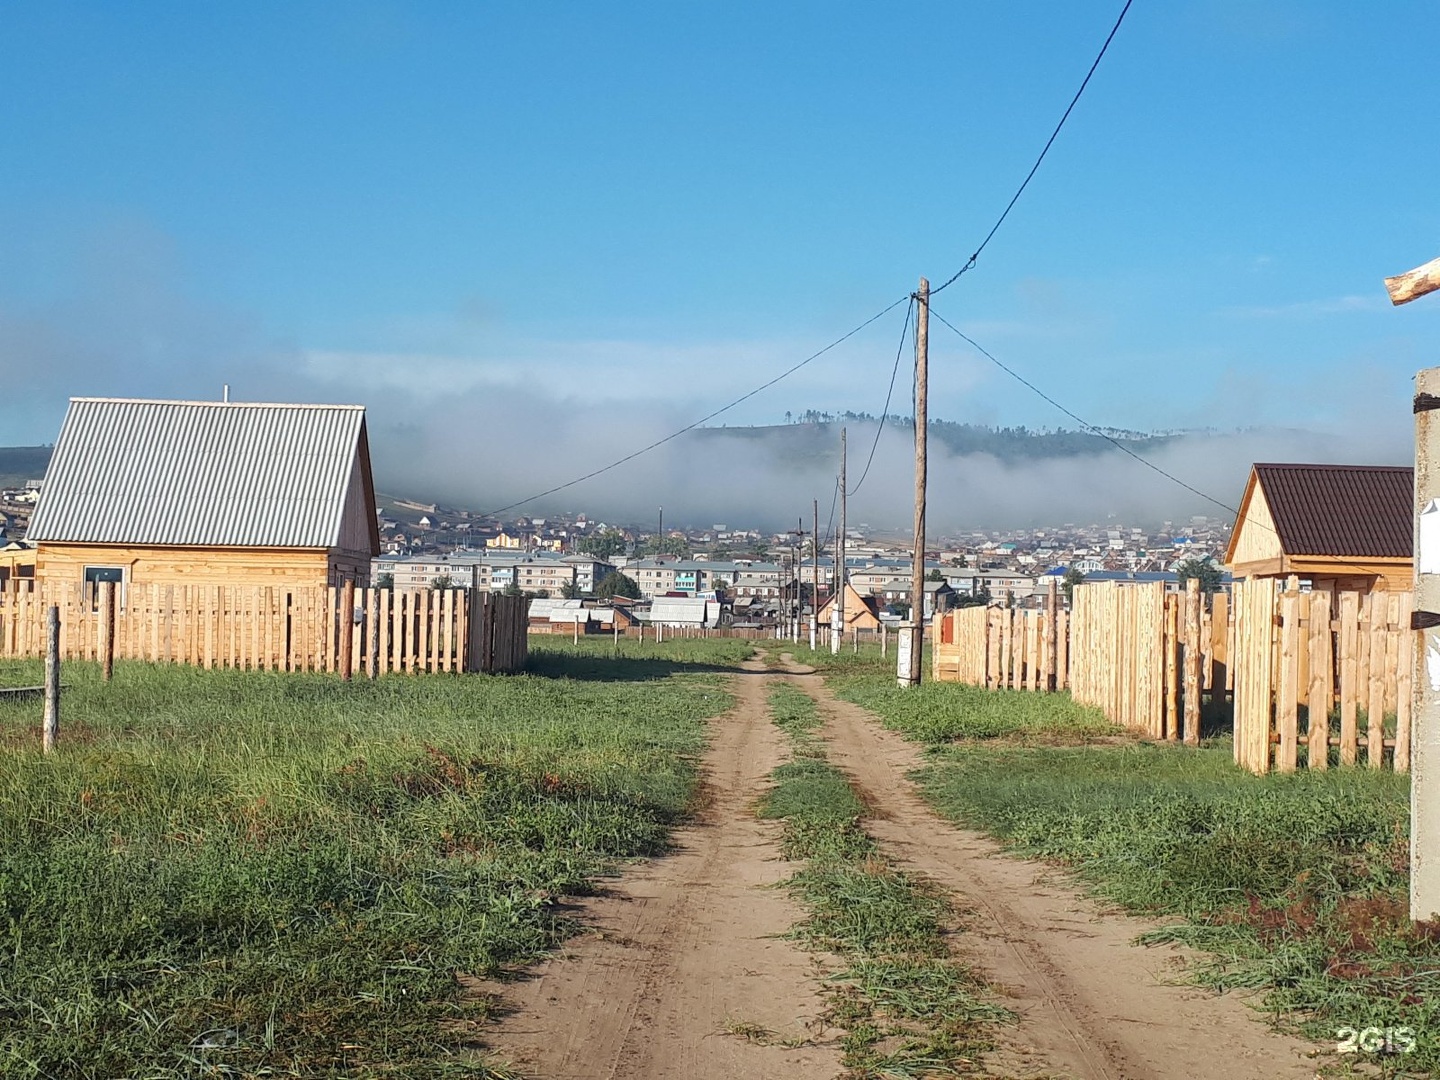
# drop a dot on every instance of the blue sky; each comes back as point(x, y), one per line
point(449, 210)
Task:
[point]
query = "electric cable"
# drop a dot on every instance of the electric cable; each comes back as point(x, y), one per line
point(885, 412)
point(1113, 441)
point(970, 264)
point(704, 419)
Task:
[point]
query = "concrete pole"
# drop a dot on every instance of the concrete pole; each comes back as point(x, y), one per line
point(1425, 670)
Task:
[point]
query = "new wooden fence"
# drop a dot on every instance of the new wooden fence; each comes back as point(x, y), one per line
point(1001, 648)
point(270, 628)
point(1316, 671)
point(1314, 674)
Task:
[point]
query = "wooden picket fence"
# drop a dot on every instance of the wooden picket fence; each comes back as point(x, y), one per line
point(1310, 667)
point(1303, 673)
point(1002, 648)
point(1148, 659)
point(270, 628)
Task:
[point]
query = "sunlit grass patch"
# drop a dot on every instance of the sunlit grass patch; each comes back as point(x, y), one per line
point(241, 874)
point(1296, 885)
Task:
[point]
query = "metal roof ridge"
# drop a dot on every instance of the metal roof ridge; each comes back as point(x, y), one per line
point(218, 404)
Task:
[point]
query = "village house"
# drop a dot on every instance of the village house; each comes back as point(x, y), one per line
point(861, 612)
point(1336, 526)
point(204, 492)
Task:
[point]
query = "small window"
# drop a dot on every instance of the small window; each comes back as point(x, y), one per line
point(94, 575)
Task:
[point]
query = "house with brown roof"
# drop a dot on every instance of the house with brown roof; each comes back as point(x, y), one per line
point(1337, 526)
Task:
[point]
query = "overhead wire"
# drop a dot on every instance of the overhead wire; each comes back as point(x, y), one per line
point(885, 412)
point(1078, 419)
point(1093, 429)
point(834, 497)
point(704, 419)
point(970, 263)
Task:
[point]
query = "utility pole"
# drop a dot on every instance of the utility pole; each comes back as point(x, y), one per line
point(799, 561)
point(660, 532)
point(837, 610)
point(912, 637)
point(1424, 748)
point(815, 576)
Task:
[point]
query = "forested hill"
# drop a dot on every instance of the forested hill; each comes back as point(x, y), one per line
point(817, 437)
point(21, 463)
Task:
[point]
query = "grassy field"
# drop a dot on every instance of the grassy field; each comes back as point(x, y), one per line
point(1294, 886)
point(242, 874)
point(909, 1009)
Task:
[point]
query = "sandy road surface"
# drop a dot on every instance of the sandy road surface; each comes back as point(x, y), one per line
point(1092, 1005)
point(685, 949)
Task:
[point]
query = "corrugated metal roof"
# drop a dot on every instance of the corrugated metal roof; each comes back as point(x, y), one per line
point(1348, 510)
point(199, 473)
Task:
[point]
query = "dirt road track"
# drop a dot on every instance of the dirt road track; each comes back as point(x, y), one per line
point(1092, 1005)
point(686, 949)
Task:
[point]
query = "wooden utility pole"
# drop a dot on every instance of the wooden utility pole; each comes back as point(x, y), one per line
point(815, 576)
point(837, 610)
point(912, 637)
point(50, 732)
point(1425, 657)
point(1425, 653)
point(1414, 284)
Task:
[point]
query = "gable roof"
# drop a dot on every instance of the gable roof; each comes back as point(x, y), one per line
point(1349, 510)
point(204, 473)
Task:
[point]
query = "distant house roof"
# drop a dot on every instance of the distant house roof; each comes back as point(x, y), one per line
point(1352, 510)
point(206, 473)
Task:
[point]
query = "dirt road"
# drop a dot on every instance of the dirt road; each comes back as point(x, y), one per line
point(1093, 1006)
point(684, 966)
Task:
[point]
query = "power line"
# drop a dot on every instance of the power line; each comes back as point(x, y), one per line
point(833, 497)
point(1113, 441)
point(704, 419)
point(970, 265)
point(1078, 419)
point(885, 412)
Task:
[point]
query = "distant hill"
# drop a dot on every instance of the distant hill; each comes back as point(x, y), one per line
point(21, 463)
point(817, 439)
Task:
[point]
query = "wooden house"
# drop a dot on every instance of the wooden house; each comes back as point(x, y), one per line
point(204, 492)
point(861, 612)
point(1337, 526)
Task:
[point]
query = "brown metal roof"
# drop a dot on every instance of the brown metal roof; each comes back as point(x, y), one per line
point(1348, 510)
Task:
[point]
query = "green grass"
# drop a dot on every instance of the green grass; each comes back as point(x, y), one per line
point(943, 712)
point(244, 874)
point(1295, 886)
point(595, 656)
point(909, 1009)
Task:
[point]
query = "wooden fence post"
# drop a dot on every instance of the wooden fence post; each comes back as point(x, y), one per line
point(51, 730)
point(107, 629)
point(347, 629)
point(1192, 662)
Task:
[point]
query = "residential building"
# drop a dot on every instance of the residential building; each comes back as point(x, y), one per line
point(1342, 526)
point(205, 492)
